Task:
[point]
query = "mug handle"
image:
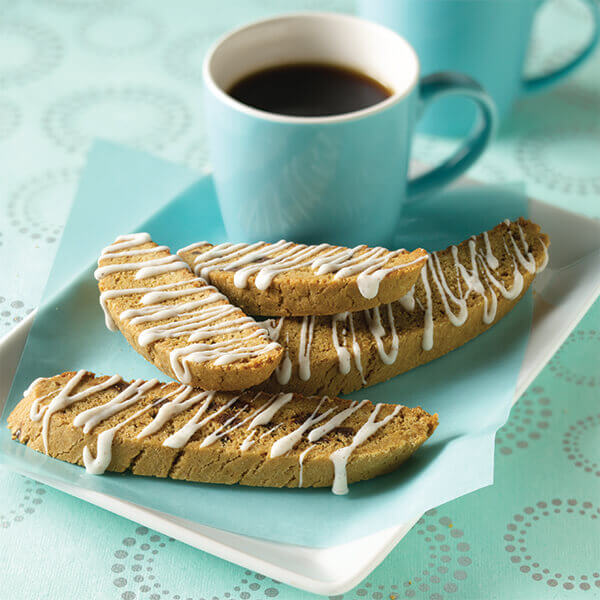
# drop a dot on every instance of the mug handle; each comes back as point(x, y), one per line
point(535, 84)
point(448, 83)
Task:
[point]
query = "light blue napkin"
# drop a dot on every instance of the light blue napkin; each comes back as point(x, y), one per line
point(471, 389)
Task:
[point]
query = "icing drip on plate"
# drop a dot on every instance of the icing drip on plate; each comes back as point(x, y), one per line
point(167, 311)
point(129, 405)
point(266, 261)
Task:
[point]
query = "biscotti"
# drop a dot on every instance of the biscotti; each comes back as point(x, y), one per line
point(256, 439)
point(184, 326)
point(294, 279)
point(461, 292)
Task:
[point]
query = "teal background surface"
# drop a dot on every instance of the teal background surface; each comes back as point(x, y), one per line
point(59, 90)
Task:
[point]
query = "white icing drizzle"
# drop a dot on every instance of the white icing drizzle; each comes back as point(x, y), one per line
point(150, 296)
point(88, 419)
point(269, 410)
point(480, 261)
point(167, 411)
point(306, 337)
point(427, 342)
point(223, 430)
point(378, 331)
point(182, 436)
point(64, 399)
point(528, 261)
point(200, 321)
point(342, 352)
point(489, 255)
point(264, 416)
point(248, 441)
point(144, 269)
point(104, 442)
point(35, 412)
point(183, 398)
point(340, 457)
point(32, 385)
point(408, 300)
point(318, 432)
point(222, 353)
point(266, 261)
point(289, 441)
point(356, 351)
point(147, 268)
point(283, 371)
point(301, 463)
point(544, 262)
point(270, 431)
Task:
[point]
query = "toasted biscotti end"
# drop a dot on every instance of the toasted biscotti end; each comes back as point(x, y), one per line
point(296, 280)
point(178, 322)
point(526, 236)
point(256, 439)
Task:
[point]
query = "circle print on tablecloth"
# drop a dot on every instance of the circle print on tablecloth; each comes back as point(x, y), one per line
point(134, 573)
point(12, 312)
point(527, 423)
point(574, 360)
point(580, 442)
point(38, 208)
point(254, 585)
point(541, 155)
point(10, 118)
point(447, 565)
point(556, 521)
point(27, 51)
point(31, 496)
point(133, 569)
point(120, 32)
point(183, 57)
point(142, 116)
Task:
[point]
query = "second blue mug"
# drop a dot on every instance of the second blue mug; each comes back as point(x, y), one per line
point(486, 39)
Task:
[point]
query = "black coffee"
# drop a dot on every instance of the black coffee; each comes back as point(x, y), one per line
point(309, 90)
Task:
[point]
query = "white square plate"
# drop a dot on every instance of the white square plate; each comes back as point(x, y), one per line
point(562, 295)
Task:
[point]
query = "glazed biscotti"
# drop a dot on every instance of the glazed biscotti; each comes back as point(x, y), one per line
point(256, 439)
point(184, 326)
point(461, 292)
point(294, 279)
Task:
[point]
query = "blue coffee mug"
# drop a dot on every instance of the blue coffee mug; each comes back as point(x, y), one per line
point(486, 39)
point(340, 179)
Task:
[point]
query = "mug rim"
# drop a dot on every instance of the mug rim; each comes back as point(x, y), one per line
point(222, 95)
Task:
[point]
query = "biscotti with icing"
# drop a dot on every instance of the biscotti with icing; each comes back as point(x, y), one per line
point(184, 326)
point(294, 279)
point(461, 292)
point(254, 438)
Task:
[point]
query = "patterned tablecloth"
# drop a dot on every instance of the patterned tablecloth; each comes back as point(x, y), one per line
point(71, 70)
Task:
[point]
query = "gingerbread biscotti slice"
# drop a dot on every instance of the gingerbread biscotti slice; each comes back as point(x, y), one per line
point(461, 292)
point(294, 279)
point(184, 326)
point(256, 439)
